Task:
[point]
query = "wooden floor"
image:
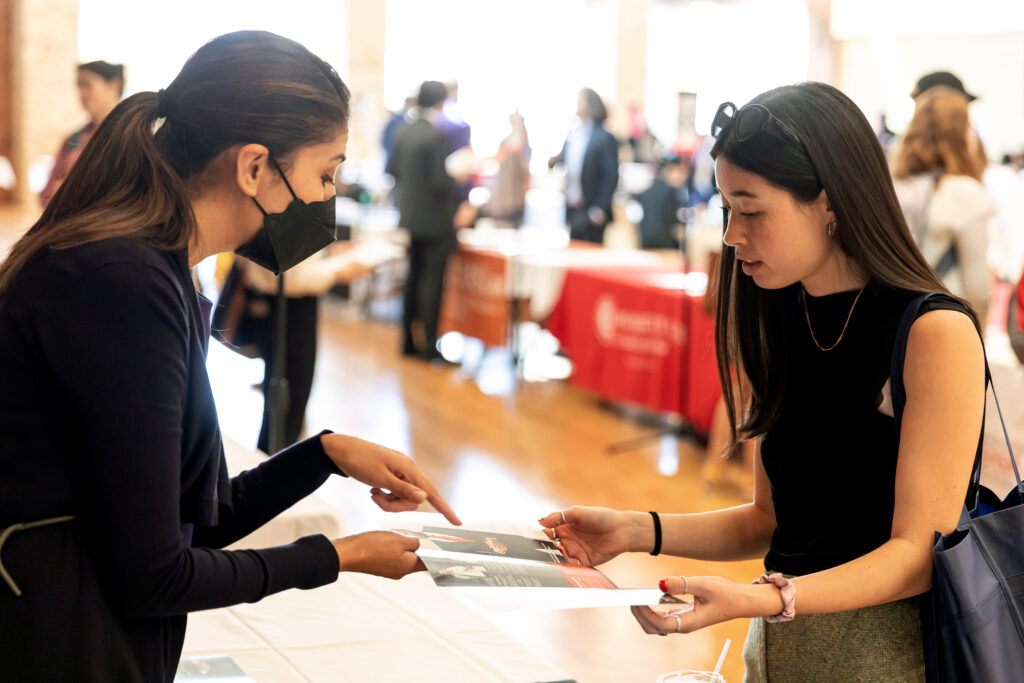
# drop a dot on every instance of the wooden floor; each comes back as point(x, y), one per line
point(522, 455)
point(516, 455)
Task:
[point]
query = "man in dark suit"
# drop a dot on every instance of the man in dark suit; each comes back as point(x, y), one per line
point(426, 202)
point(591, 158)
point(661, 203)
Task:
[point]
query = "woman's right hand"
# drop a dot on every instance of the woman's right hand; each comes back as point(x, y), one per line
point(381, 553)
point(592, 536)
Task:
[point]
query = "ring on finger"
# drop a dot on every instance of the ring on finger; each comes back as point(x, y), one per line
point(679, 624)
point(686, 585)
point(562, 513)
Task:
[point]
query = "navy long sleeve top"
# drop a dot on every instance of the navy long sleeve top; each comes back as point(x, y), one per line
point(106, 413)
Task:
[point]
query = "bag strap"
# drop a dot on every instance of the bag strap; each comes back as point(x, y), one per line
point(950, 258)
point(899, 397)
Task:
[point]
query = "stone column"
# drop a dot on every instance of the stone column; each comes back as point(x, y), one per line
point(631, 44)
point(44, 104)
point(366, 32)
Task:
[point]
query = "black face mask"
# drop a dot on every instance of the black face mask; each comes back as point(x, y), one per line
point(293, 235)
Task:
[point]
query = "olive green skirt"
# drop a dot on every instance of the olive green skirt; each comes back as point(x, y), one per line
point(881, 643)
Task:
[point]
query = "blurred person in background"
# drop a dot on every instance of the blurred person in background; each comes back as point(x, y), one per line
point(426, 203)
point(305, 284)
point(451, 123)
point(645, 147)
point(662, 202)
point(508, 195)
point(1005, 188)
point(466, 162)
point(701, 186)
point(885, 135)
point(100, 87)
point(395, 123)
point(937, 175)
point(591, 159)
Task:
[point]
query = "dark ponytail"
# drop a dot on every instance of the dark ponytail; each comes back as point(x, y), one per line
point(240, 88)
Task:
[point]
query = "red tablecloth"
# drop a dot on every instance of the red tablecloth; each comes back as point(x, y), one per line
point(476, 295)
point(478, 286)
point(635, 336)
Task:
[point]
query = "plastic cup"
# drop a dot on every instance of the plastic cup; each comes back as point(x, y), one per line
point(690, 676)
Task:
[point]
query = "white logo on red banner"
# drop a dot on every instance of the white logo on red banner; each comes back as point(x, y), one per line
point(478, 280)
point(646, 332)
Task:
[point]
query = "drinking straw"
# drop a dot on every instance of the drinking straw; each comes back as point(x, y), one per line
point(721, 657)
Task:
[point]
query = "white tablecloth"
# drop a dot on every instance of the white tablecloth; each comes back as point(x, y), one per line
point(538, 276)
point(360, 628)
point(364, 628)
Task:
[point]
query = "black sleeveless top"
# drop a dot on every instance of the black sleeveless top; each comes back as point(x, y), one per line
point(831, 456)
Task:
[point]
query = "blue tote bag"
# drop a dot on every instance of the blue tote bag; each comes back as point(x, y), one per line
point(973, 618)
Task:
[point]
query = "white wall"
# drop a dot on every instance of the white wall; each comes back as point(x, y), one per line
point(884, 47)
point(721, 52)
point(533, 55)
point(154, 41)
point(879, 75)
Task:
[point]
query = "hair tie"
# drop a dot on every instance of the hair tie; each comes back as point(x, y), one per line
point(161, 104)
point(787, 589)
point(657, 533)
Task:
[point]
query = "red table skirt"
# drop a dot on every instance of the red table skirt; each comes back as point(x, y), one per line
point(475, 300)
point(635, 336)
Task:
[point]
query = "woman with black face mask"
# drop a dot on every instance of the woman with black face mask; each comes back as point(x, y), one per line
point(115, 501)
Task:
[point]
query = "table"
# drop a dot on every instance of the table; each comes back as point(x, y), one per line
point(365, 628)
point(360, 628)
point(499, 277)
point(476, 299)
point(640, 335)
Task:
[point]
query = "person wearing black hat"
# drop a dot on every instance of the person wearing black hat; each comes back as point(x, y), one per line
point(426, 203)
point(940, 79)
point(937, 173)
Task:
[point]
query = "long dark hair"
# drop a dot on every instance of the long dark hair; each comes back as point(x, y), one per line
point(936, 138)
point(240, 88)
point(595, 106)
point(840, 154)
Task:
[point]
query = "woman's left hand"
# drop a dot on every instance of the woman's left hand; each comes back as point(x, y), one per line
point(714, 600)
point(398, 485)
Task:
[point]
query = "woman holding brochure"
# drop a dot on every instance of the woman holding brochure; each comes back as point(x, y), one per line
point(115, 501)
point(818, 269)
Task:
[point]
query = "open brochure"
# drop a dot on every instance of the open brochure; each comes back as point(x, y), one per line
point(524, 567)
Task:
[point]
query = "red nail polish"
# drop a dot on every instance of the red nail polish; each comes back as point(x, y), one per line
point(661, 585)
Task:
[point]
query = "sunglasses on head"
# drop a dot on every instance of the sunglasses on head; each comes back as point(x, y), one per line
point(750, 120)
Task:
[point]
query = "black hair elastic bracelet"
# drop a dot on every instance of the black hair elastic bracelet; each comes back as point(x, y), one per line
point(657, 533)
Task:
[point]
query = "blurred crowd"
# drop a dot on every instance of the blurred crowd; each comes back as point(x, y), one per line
point(965, 210)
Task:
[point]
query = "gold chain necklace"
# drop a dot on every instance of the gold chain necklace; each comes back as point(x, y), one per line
point(842, 332)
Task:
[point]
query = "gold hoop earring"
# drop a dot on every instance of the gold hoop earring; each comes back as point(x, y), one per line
point(832, 228)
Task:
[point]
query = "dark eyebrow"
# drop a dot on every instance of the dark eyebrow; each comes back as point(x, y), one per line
point(340, 157)
point(744, 193)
